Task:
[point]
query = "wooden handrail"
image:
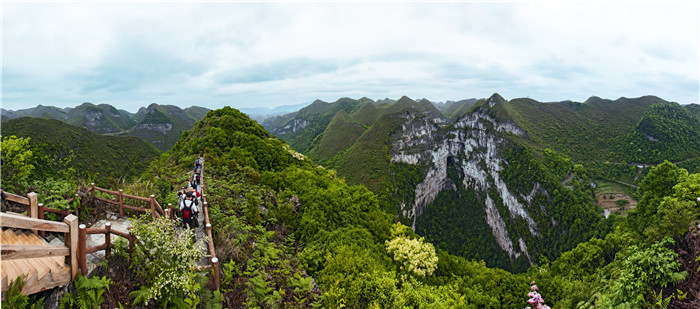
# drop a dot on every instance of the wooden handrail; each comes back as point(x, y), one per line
point(17, 199)
point(22, 222)
point(12, 252)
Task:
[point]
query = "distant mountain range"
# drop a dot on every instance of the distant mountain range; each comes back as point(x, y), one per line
point(260, 114)
point(160, 125)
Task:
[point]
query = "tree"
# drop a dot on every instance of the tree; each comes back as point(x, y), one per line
point(414, 255)
point(17, 161)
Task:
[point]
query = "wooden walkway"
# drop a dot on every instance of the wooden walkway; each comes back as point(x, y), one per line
point(40, 273)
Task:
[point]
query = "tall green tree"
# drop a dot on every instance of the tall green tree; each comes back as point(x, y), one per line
point(17, 162)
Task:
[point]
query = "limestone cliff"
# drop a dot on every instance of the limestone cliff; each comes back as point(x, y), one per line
point(473, 144)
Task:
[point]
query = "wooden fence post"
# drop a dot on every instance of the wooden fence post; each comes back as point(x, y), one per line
point(77, 208)
point(121, 203)
point(82, 250)
point(132, 245)
point(92, 188)
point(72, 241)
point(154, 214)
point(170, 211)
point(108, 239)
point(215, 264)
point(41, 216)
point(33, 210)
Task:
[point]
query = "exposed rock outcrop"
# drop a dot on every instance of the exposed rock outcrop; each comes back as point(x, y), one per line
point(473, 145)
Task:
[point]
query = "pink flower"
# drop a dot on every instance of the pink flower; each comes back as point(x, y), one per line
point(535, 298)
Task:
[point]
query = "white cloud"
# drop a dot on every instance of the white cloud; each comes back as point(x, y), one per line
point(255, 54)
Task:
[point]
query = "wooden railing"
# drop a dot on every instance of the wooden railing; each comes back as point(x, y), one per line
point(211, 251)
point(76, 237)
point(155, 208)
point(107, 246)
point(69, 227)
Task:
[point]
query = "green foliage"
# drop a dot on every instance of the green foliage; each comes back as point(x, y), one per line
point(17, 162)
point(665, 132)
point(585, 131)
point(89, 293)
point(168, 265)
point(413, 255)
point(558, 164)
point(642, 270)
point(15, 299)
point(668, 203)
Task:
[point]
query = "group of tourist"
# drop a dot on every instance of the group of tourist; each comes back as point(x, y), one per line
point(190, 198)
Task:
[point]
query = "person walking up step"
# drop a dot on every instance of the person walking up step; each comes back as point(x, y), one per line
point(189, 209)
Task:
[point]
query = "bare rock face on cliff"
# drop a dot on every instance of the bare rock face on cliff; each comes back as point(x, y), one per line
point(472, 144)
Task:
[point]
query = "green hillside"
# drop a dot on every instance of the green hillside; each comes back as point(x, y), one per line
point(162, 125)
point(665, 132)
point(196, 112)
point(585, 131)
point(300, 129)
point(100, 119)
point(693, 108)
point(40, 111)
point(90, 154)
point(459, 108)
point(339, 135)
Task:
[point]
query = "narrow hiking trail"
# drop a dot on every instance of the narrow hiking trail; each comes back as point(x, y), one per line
point(199, 230)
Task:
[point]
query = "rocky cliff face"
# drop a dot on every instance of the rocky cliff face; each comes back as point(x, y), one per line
point(162, 128)
point(292, 126)
point(472, 145)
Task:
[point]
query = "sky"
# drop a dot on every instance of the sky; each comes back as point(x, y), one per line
point(215, 54)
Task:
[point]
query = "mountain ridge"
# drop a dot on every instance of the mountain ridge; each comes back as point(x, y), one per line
point(160, 125)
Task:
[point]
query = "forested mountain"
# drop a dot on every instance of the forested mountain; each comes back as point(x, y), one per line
point(292, 234)
point(59, 146)
point(160, 125)
point(475, 179)
point(40, 111)
point(665, 132)
point(301, 128)
point(344, 239)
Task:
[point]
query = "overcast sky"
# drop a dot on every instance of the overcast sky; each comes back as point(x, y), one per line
point(270, 54)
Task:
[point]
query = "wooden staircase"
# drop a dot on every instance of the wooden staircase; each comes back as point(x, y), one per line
point(40, 273)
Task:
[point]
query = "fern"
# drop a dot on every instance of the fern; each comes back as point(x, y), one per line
point(89, 293)
point(141, 296)
point(15, 298)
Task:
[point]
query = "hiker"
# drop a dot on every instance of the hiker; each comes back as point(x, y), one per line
point(180, 197)
point(198, 179)
point(198, 196)
point(193, 184)
point(189, 210)
point(197, 166)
